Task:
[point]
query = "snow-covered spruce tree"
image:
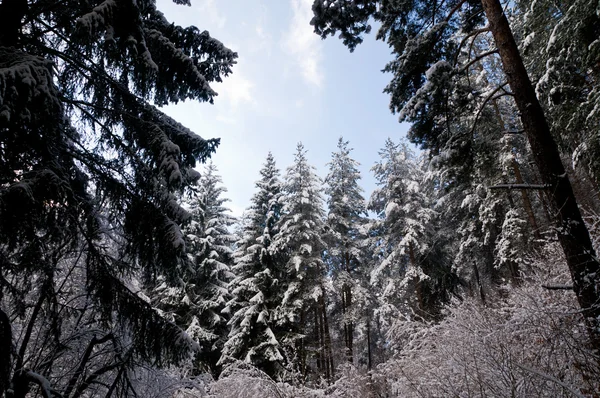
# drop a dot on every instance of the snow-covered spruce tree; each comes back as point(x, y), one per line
point(88, 161)
point(345, 235)
point(405, 218)
point(301, 316)
point(422, 35)
point(256, 290)
point(197, 301)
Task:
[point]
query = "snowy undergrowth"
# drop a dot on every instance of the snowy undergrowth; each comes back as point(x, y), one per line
point(528, 341)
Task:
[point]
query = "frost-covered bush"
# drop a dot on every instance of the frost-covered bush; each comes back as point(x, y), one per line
point(242, 380)
point(529, 342)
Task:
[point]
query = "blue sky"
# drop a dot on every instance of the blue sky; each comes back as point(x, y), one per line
point(288, 86)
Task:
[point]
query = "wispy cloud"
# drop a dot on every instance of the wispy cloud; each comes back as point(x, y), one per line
point(211, 12)
point(236, 89)
point(302, 44)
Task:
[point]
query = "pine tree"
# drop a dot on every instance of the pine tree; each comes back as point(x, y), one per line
point(198, 301)
point(89, 162)
point(255, 288)
point(302, 314)
point(345, 222)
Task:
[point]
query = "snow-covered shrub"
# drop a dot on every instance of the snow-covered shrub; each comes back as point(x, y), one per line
point(242, 380)
point(528, 343)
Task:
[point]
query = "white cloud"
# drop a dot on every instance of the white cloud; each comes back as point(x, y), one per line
point(304, 45)
point(210, 10)
point(235, 89)
point(236, 94)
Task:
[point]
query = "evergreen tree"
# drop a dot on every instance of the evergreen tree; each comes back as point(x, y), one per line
point(302, 314)
point(255, 288)
point(89, 162)
point(345, 233)
point(406, 218)
point(197, 302)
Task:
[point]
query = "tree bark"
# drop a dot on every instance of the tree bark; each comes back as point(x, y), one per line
point(347, 304)
point(572, 232)
point(369, 363)
point(5, 352)
point(328, 349)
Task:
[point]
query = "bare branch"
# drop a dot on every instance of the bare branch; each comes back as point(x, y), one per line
point(477, 59)
point(551, 378)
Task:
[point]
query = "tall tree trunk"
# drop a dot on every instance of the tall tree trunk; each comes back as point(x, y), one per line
point(5, 351)
point(348, 324)
point(318, 339)
point(369, 363)
point(478, 282)
point(328, 348)
point(572, 232)
point(301, 347)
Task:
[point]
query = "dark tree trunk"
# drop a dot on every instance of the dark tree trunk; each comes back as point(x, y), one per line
point(328, 349)
point(5, 352)
point(347, 307)
point(572, 232)
point(369, 363)
point(319, 342)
